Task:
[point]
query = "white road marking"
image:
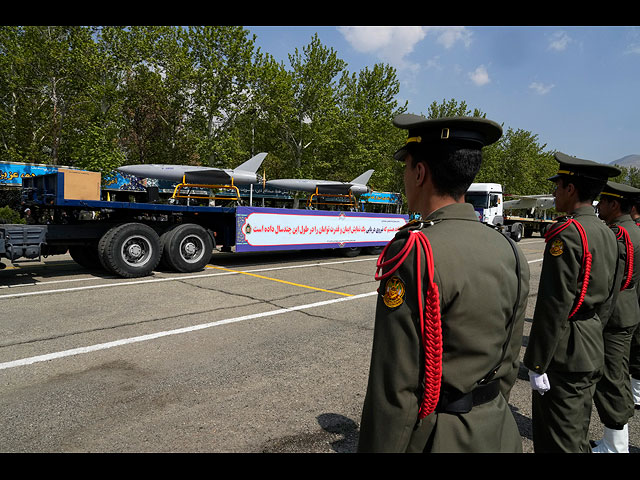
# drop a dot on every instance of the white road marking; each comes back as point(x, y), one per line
point(152, 336)
point(178, 331)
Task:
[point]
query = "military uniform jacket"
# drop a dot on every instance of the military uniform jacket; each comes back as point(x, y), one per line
point(626, 312)
point(575, 345)
point(475, 271)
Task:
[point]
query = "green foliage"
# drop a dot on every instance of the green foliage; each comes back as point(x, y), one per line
point(452, 109)
point(9, 215)
point(519, 163)
point(629, 176)
point(100, 97)
point(11, 197)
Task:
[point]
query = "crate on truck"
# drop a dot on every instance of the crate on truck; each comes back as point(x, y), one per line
point(132, 238)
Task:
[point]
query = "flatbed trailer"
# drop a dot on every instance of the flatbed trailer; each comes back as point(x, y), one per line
point(529, 225)
point(132, 239)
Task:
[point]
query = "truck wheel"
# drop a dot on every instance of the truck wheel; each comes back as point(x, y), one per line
point(131, 250)
point(544, 230)
point(373, 250)
point(102, 246)
point(187, 248)
point(164, 245)
point(350, 251)
point(516, 233)
point(86, 256)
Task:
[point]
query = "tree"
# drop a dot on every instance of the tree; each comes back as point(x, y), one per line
point(629, 176)
point(58, 68)
point(367, 136)
point(220, 62)
point(43, 76)
point(519, 163)
point(452, 109)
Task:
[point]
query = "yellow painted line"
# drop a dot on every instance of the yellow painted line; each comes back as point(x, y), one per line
point(278, 280)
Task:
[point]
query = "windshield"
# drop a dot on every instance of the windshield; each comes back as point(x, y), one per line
point(478, 200)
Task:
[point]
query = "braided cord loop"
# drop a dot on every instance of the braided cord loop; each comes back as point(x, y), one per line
point(587, 259)
point(430, 321)
point(624, 234)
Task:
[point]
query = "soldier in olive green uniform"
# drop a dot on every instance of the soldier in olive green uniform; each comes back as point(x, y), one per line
point(450, 311)
point(578, 286)
point(613, 397)
point(634, 357)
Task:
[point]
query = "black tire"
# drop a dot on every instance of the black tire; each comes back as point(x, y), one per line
point(164, 242)
point(544, 230)
point(131, 250)
point(187, 248)
point(86, 256)
point(516, 233)
point(102, 246)
point(373, 250)
point(350, 251)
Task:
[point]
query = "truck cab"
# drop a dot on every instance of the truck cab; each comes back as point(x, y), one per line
point(486, 199)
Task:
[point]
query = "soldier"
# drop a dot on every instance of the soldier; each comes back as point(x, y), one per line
point(613, 397)
point(578, 286)
point(450, 309)
point(634, 357)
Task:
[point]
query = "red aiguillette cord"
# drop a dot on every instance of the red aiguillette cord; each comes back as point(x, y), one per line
point(430, 325)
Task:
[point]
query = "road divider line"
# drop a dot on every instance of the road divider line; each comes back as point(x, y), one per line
point(177, 331)
point(278, 280)
point(164, 279)
point(170, 279)
point(152, 336)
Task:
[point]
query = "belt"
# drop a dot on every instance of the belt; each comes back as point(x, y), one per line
point(453, 401)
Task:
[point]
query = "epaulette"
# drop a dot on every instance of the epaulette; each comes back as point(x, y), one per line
point(413, 225)
point(556, 228)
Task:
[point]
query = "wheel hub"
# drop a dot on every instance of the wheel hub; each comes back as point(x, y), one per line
point(135, 251)
point(190, 249)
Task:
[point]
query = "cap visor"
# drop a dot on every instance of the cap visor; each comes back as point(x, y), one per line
point(400, 154)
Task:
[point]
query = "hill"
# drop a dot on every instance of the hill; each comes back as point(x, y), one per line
point(628, 161)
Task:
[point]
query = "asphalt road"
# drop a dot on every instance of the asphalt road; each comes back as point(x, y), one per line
point(257, 353)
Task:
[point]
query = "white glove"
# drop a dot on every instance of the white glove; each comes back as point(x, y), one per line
point(539, 382)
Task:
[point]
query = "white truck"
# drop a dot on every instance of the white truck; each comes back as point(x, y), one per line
point(488, 202)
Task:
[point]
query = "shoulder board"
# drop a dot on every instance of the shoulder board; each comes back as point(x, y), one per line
point(617, 230)
point(412, 225)
point(403, 231)
point(560, 225)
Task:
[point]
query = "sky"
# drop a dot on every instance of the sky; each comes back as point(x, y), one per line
point(576, 87)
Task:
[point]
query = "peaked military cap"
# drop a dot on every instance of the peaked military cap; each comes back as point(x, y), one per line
point(424, 131)
point(578, 167)
point(620, 191)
